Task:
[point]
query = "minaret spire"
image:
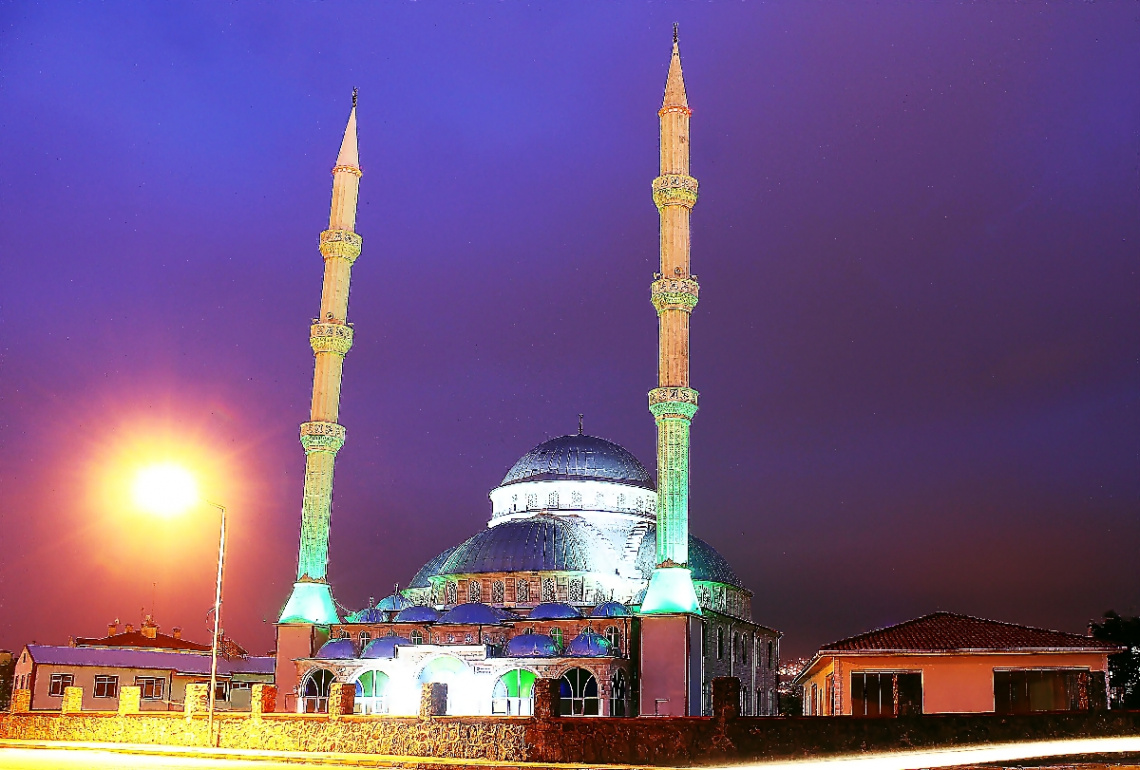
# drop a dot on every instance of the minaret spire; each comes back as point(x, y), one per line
point(673, 403)
point(330, 336)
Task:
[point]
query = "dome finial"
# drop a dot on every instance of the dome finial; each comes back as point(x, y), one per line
point(580, 416)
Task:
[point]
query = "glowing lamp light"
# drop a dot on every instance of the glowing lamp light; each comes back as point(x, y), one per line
point(166, 489)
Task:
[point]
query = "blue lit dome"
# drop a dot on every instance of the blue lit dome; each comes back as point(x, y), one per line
point(704, 561)
point(537, 543)
point(531, 646)
point(554, 611)
point(384, 647)
point(337, 649)
point(589, 644)
point(392, 603)
point(473, 613)
point(611, 610)
point(579, 458)
point(418, 613)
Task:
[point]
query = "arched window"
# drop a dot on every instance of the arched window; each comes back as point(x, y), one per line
point(532, 501)
point(446, 669)
point(498, 592)
point(618, 694)
point(514, 693)
point(600, 501)
point(578, 690)
point(522, 592)
point(575, 499)
point(548, 592)
point(771, 657)
point(417, 637)
point(576, 589)
point(451, 593)
point(371, 696)
point(514, 502)
point(315, 691)
point(613, 636)
point(552, 500)
point(474, 591)
point(719, 643)
point(556, 635)
point(365, 638)
point(621, 502)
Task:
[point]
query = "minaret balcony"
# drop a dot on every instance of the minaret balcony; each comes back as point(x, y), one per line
point(330, 338)
point(341, 244)
point(322, 436)
point(675, 190)
point(673, 402)
point(674, 294)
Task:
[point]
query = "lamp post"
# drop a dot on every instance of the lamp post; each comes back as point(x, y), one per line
point(169, 490)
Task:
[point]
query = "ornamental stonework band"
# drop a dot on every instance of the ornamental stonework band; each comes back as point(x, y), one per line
point(322, 436)
point(674, 294)
point(341, 244)
point(678, 403)
point(675, 190)
point(330, 338)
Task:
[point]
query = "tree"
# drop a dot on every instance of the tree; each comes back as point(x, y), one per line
point(1123, 667)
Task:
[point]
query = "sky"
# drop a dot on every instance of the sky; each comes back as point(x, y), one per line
point(916, 346)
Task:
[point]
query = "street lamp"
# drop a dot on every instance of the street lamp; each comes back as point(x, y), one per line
point(168, 490)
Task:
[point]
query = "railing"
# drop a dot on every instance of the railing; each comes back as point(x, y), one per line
point(514, 707)
point(372, 705)
point(311, 704)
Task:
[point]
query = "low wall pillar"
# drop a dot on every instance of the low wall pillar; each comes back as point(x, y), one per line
point(547, 698)
point(725, 697)
point(21, 701)
point(72, 700)
point(130, 699)
point(433, 700)
point(342, 699)
point(264, 700)
point(197, 699)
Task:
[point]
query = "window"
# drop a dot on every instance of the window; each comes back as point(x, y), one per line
point(106, 687)
point(552, 500)
point(1026, 691)
point(474, 591)
point(222, 690)
point(771, 656)
point(59, 682)
point(417, 637)
point(548, 590)
point(576, 590)
point(600, 501)
point(575, 499)
point(365, 638)
point(579, 693)
point(150, 687)
point(618, 694)
point(316, 691)
point(522, 592)
point(886, 694)
point(514, 693)
point(498, 592)
point(613, 636)
point(451, 593)
point(556, 635)
point(371, 695)
point(532, 501)
point(719, 643)
point(621, 502)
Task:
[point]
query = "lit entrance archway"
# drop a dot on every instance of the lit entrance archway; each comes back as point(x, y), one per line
point(448, 670)
point(315, 691)
point(514, 693)
point(371, 693)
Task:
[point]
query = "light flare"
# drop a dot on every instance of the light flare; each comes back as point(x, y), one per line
point(166, 489)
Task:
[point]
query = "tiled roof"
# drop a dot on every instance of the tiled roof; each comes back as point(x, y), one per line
point(184, 662)
point(139, 639)
point(946, 631)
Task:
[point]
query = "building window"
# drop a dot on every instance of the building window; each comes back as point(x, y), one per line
point(618, 694)
point(451, 593)
point(1026, 691)
point(222, 690)
point(771, 656)
point(579, 693)
point(365, 638)
point(498, 592)
point(514, 502)
point(532, 501)
point(613, 636)
point(719, 643)
point(522, 592)
point(575, 499)
point(621, 502)
point(576, 587)
point(886, 694)
point(59, 682)
point(600, 501)
point(469, 639)
point(417, 637)
point(552, 500)
point(315, 698)
point(513, 694)
point(106, 687)
point(474, 591)
point(150, 687)
point(548, 590)
point(556, 635)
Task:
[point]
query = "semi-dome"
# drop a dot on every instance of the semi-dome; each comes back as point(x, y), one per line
point(473, 613)
point(418, 613)
point(531, 646)
point(611, 610)
point(384, 647)
point(579, 458)
point(337, 649)
point(422, 579)
point(589, 644)
point(704, 561)
point(553, 611)
point(533, 544)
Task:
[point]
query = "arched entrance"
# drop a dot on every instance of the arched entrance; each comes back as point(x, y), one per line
point(448, 670)
point(514, 693)
point(315, 691)
point(371, 693)
point(578, 691)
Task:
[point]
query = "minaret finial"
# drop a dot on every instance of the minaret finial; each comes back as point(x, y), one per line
point(580, 416)
point(354, 90)
point(674, 33)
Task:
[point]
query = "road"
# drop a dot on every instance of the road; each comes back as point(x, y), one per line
point(86, 759)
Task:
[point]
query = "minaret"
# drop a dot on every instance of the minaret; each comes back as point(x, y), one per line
point(322, 437)
point(673, 403)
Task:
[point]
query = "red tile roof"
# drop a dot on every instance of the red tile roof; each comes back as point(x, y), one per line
point(946, 631)
point(139, 639)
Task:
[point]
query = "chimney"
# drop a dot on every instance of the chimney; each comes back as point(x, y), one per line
point(130, 629)
point(112, 628)
point(149, 627)
point(177, 632)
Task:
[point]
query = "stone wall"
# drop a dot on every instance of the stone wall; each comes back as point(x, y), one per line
point(549, 738)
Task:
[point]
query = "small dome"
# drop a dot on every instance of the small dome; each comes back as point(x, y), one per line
point(579, 458)
point(392, 603)
point(611, 610)
point(704, 561)
point(531, 646)
point(533, 544)
point(384, 647)
point(589, 644)
point(422, 579)
point(337, 649)
point(366, 615)
point(472, 613)
point(553, 611)
point(418, 613)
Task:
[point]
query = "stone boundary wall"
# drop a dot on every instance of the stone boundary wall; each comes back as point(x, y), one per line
point(547, 738)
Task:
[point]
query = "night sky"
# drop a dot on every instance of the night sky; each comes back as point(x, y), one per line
point(916, 345)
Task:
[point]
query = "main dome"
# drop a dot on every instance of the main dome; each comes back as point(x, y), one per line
point(532, 544)
point(579, 458)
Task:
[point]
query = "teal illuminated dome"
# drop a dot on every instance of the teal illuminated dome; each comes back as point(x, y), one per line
point(579, 458)
point(704, 561)
point(532, 544)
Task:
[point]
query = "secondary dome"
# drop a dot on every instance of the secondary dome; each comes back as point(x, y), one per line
point(384, 647)
point(704, 561)
point(337, 649)
point(418, 613)
point(589, 644)
point(531, 646)
point(538, 543)
point(579, 458)
point(553, 611)
point(473, 613)
point(611, 610)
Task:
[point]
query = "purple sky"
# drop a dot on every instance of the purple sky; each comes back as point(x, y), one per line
point(916, 344)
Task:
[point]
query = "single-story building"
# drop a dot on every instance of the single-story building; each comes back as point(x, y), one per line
point(947, 663)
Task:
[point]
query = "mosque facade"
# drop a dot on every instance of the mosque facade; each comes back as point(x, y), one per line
point(586, 571)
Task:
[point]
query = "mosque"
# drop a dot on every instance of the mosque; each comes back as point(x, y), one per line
point(586, 572)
